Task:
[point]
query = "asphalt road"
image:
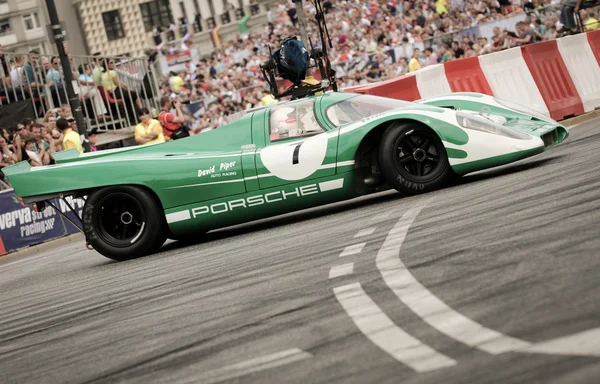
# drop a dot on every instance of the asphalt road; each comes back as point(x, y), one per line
point(510, 252)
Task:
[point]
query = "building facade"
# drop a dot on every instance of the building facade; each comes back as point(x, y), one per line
point(127, 27)
point(120, 27)
point(23, 26)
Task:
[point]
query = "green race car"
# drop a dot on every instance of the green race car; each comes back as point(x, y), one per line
point(282, 158)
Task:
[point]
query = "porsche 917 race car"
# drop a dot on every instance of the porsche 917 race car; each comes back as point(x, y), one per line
point(283, 158)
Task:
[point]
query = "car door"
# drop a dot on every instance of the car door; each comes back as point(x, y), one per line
point(296, 146)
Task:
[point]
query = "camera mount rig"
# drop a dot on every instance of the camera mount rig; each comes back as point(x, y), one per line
point(302, 85)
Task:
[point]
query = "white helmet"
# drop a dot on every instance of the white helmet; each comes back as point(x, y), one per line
point(284, 122)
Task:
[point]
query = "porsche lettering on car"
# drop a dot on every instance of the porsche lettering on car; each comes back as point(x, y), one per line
point(283, 158)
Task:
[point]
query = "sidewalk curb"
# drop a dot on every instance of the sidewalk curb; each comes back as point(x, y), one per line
point(581, 118)
point(39, 248)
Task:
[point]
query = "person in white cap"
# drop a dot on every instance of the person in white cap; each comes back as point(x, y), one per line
point(284, 123)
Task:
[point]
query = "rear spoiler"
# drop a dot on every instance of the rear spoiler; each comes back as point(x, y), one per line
point(15, 169)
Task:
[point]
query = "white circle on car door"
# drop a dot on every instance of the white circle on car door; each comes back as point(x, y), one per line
point(295, 161)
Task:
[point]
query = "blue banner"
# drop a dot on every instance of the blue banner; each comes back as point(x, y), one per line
point(21, 226)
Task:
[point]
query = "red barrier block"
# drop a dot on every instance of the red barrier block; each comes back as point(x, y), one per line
point(400, 88)
point(594, 39)
point(552, 79)
point(465, 75)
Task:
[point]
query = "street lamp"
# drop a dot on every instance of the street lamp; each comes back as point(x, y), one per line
point(59, 38)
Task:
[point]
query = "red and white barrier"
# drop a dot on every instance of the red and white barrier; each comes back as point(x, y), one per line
point(559, 78)
point(510, 79)
point(467, 76)
point(432, 81)
point(583, 68)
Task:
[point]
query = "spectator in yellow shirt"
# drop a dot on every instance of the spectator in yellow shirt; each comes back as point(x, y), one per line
point(591, 23)
point(177, 82)
point(71, 138)
point(149, 131)
point(414, 64)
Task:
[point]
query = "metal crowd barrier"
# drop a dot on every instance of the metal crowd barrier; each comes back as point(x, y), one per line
point(111, 90)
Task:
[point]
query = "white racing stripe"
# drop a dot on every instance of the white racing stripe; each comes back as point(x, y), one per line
point(178, 216)
point(254, 365)
point(213, 183)
point(331, 185)
point(345, 163)
point(142, 158)
point(428, 306)
point(175, 217)
point(382, 332)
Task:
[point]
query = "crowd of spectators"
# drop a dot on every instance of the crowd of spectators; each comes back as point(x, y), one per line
point(36, 141)
point(230, 80)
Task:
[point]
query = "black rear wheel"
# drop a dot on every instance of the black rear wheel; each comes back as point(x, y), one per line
point(123, 222)
point(413, 159)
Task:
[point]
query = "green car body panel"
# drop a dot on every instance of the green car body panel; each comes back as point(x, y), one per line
point(236, 174)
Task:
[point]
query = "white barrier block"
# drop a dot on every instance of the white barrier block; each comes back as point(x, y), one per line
point(510, 79)
point(583, 68)
point(432, 81)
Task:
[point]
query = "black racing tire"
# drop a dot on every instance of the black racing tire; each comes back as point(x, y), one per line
point(413, 159)
point(123, 222)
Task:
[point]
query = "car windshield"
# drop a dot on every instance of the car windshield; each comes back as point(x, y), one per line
point(359, 107)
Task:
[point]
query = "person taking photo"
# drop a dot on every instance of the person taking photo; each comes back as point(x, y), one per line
point(173, 125)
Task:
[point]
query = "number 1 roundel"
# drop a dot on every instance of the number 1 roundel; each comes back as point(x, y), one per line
point(295, 161)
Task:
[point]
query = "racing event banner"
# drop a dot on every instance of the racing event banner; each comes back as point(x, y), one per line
point(21, 226)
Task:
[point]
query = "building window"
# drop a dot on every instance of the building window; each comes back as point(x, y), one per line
point(113, 25)
point(31, 21)
point(157, 12)
point(5, 27)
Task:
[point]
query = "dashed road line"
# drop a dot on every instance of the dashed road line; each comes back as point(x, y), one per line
point(254, 365)
point(428, 306)
point(341, 270)
point(382, 332)
point(365, 232)
point(352, 249)
point(381, 216)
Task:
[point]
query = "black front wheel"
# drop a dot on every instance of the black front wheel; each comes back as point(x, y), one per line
point(123, 222)
point(413, 159)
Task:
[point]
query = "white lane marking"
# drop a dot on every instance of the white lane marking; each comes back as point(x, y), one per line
point(584, 343)
point(331, 185)
point(381, 216)
point(365, 232)
point(382, 332)
point(352, 249)
point(254, 365)
point(428, 306)
point(341, 270)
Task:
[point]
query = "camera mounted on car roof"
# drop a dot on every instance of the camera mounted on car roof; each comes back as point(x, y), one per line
point(292, 60)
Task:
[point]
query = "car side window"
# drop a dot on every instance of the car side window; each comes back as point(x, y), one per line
point(292, 120)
